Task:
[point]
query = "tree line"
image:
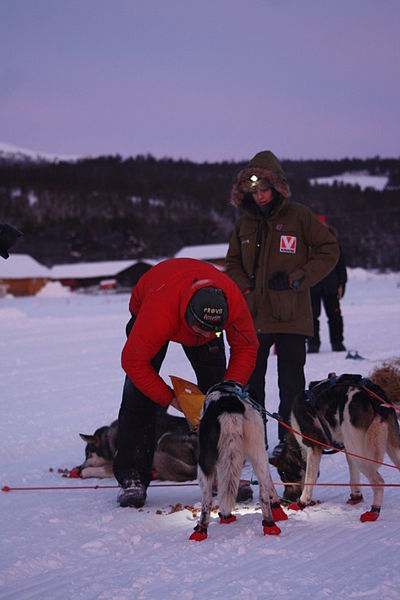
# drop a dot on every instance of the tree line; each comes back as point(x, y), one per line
point(108, 208)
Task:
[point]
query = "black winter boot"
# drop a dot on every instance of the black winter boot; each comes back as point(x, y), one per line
point(132, 493)
point(339, 347)
point(312, 348)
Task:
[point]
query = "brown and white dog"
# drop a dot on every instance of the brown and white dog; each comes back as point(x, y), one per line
point(175, 456)
point(231, 429)
point(347, 412)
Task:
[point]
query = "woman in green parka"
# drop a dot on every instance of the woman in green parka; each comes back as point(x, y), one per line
point(269, 259)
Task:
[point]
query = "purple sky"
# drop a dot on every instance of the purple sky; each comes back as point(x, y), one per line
point(204, 80)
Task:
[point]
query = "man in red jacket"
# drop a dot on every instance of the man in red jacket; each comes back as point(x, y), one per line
point(190, 302)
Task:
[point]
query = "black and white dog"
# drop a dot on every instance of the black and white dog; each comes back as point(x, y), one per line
point(347, 412)
point(231, 429)
point(175, 456)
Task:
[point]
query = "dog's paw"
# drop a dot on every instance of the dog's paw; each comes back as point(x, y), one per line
point(370, 515)
point(270, 528)
point(278, 514)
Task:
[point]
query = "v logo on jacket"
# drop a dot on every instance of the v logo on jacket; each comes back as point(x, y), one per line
point(288, 244)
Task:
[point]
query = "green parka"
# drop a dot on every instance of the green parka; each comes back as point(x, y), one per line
point(286, 235)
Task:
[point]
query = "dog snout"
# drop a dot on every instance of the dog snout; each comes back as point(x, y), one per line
point(93, 461)
point(292, 492)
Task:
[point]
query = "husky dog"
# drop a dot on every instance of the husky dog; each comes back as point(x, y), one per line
point(175, 456)
point(231, 429)
point(347, 412)
point(99, 452)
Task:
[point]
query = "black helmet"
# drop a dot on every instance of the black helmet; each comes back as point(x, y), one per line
point(208, 308)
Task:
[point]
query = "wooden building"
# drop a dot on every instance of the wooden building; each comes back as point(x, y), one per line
point(212, 253)
point(123, 273)
point(22, 275)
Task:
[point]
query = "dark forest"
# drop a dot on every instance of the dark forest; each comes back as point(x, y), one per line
point(109, 208)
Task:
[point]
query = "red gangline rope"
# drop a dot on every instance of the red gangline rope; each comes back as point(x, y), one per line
point(6, 488)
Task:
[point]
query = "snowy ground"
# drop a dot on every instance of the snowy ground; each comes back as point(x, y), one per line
point(60, 375)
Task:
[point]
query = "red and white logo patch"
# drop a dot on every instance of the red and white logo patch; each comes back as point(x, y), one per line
point(288, 244)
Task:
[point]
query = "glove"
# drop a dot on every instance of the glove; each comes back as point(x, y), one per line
point(279, 281)
point(227, 387)
point(341, 288)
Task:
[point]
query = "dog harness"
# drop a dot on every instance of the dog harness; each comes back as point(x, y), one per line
point(312, 401)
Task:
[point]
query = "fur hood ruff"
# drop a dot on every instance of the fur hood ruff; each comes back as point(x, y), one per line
point(264, 165)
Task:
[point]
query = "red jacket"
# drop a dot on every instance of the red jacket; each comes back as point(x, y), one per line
point(159, 302)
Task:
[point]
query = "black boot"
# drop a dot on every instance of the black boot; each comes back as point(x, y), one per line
point(339, 347)
point(312, 348)
point(132, 493)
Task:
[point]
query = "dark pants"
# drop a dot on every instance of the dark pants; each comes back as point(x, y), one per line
point(335, 320)
point(291, 354)
point(137, 416)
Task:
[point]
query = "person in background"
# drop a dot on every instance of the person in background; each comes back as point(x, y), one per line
point(8, 237)
point(329, 291)
point(189, 302)
point(268, 258)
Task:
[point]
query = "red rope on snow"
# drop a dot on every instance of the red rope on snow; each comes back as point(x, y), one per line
point(6, 488)
point(344, 484)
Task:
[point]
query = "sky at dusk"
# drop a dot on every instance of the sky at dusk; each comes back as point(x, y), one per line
point(207, 81)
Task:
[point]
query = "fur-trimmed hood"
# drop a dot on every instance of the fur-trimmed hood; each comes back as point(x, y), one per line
point(264, 165)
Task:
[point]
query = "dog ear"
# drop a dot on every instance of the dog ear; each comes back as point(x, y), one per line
point(89, 439)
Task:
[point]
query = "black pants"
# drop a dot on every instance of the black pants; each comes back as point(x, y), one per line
point(291, 354)
point(137, 415)
point(335, 319)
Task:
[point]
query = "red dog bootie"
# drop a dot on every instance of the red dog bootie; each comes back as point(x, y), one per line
point(75, 473)
point(355, 498)
point(297, 506)
point(278, 514)
point(371, 515)
point(199, 534)
point(270, 528)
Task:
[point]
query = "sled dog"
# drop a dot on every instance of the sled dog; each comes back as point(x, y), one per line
point(175, 456)
point(347, 412)
point(231, 429)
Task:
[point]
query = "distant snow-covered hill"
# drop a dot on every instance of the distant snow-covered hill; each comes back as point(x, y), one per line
point(10, 153)
point(364, 180)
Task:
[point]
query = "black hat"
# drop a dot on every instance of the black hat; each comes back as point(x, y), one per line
point(208, 308)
